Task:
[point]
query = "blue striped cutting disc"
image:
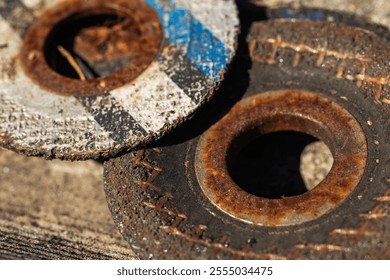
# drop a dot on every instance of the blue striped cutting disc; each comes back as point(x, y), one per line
point(199, 43)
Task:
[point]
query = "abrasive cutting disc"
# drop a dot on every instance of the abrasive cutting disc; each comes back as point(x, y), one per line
point(212, 190)
point(181, 57)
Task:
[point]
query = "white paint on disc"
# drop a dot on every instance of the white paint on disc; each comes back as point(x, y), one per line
point(213, 23)
point(149, 109)
point(199, 43)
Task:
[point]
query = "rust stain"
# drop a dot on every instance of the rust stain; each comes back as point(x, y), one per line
point(168, 211)
point(383, 198)
point(323, 247)
point(8, 69)
point(351, 232)
point(145, 185)
point(280, 111)
point(4, 138)
point(219, 246)
point(323, 48)
point(373, 216)
point(322, 53)
point(177, 221)
point(138, 158)
point(160, 204)
point(278, 42)
point(136, 37)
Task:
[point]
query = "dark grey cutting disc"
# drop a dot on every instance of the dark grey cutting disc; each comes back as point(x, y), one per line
point(181, 200)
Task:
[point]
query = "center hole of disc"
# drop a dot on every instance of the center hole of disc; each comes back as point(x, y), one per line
point(88, 46)
point(278, 164)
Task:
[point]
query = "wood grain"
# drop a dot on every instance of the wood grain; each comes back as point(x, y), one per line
point(55, 210)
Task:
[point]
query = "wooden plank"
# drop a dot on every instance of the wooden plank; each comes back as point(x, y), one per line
point(55, 210)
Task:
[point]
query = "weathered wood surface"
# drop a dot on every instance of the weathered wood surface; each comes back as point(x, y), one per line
point(55, 210)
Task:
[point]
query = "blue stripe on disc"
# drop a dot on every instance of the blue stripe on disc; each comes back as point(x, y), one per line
point(313, 15)
point(206, 51)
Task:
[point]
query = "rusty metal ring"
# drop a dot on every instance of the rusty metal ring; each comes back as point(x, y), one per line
point(140, 42)
point(160, 208)
point(289, 110)
point(154, 69)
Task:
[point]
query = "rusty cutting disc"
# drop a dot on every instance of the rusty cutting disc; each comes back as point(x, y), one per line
point(132, 71)
point(359, 13)
point(178, 199)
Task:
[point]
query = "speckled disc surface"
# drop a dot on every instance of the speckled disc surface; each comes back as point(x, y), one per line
point(199, 42)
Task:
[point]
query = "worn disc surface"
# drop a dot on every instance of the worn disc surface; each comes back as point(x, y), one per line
point(155, 195)
point(374, 11)
point(198, 42)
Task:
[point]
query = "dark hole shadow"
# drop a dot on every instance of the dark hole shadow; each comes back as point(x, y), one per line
point(268, 166)
point(64, 35)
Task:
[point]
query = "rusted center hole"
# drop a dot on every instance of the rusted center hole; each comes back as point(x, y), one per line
point(248, 163)
point(278, 164)
point(82, 48)
point(89, 46)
